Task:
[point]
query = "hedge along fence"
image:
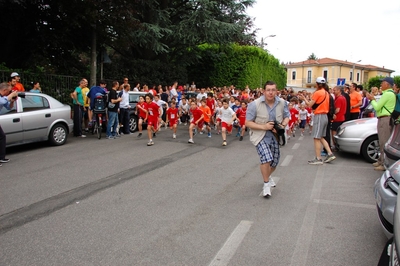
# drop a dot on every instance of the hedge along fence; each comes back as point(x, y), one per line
point(237, 65)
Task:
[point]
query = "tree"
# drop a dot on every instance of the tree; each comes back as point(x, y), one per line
point(57, 35)
point(312, 57)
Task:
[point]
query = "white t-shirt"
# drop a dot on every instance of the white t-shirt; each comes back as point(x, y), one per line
point(303, 114)
point(184, 107)
point(201, 95)
point(226, 115)
point(173, 92)
point(218, 111)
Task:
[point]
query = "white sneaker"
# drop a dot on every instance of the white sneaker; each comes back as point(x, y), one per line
point(272, 182)
point(267, 190)
point(174, 136)
point(190, 141)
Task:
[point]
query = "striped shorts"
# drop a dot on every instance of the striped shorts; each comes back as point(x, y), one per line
point(268, 150)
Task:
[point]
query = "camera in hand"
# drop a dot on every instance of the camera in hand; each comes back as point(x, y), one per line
point(280, 130)
point(20, 94)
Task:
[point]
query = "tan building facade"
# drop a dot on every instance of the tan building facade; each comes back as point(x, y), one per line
point(303, 74)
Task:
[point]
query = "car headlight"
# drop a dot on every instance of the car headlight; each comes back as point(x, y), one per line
point(340, 131)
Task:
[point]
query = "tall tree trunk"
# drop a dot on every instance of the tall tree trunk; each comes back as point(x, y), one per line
point(93, 59)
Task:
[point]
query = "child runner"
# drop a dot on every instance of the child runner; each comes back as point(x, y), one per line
point(206, 116)
point(211, 103)
point(293, 120)
point(141, 113)
point(236, 107)
point(184, 111)
point(218, 116)
point(197, 119)
point(172, 117)
point(303, 113)
point(241, 114)
point(152, 117)
point(227, 118)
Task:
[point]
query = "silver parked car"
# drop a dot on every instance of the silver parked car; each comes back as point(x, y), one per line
point(36, 117)
point(392, 147)
point(386, 189)
point(359, 136)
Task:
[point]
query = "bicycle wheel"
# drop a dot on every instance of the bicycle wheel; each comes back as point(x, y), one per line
point(99, 129)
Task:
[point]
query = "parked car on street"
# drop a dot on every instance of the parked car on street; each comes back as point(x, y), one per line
point(392, 147)
point(133, 117)
point(359, 136)
point(36, 117)
point(390, 253)
point(385, 190)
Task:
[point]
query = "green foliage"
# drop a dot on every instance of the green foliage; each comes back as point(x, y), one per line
point(223, 65)
point(376, 82)
point(312, 57)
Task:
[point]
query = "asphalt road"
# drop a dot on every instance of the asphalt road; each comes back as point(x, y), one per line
point(119, 202)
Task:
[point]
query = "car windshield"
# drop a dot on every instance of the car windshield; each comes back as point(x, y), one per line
point(134, 98)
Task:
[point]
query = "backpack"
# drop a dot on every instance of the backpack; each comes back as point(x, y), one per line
point(396, 112)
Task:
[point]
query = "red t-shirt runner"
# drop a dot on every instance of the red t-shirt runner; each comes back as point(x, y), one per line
point(153, 114)
point(172, 114)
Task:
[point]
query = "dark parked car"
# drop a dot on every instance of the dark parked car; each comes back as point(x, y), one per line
point(392, 147)
point(133, 118)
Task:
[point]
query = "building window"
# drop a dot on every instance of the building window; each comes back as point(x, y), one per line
point(351, 75)
point(358, 77)
point(309, 76)
point(326, 74)
point(293, 75)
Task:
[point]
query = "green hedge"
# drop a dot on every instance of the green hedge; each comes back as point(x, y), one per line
point(237, 65)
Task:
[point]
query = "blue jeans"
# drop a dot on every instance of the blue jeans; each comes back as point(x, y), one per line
point(112, 123)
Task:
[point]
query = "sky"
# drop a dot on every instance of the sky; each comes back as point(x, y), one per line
point(349, 30)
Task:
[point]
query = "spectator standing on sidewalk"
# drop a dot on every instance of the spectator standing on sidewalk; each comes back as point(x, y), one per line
point(355, 101)
point(113, 105)
point(340, 112)
point(384, 107)
point(18, 86)
point(124, 108)
point(260, 117)
point(320, 104)
point(7, 99)
point(77, 99)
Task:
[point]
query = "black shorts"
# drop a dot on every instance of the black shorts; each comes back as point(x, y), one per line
point(335, 125)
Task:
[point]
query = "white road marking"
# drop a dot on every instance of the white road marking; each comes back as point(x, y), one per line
point(303, 242)
point(231, 245)
point(349, 204)
point(287, 160)
point(296, 146)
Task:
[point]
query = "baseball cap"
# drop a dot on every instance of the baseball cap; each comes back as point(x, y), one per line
point(388, 80)
point(14, 74)
point(320, 80)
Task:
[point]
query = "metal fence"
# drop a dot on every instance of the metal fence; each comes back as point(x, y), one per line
point(58, 86)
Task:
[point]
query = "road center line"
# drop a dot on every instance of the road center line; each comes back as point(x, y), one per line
point(287, 160)
point(303, 243)
point(231, 245)
point(296, 146)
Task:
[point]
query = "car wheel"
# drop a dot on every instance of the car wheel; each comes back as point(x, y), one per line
point(58, 135)
point(370, 149)
point(132, 123)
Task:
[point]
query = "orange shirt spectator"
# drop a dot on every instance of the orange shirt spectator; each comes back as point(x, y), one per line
point(321, 97)
point(355, 99)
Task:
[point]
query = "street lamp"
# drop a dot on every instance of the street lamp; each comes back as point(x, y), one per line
point(352, 73)
point(262, 44)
